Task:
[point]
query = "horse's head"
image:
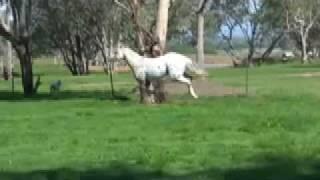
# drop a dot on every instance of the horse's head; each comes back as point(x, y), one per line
point(127, 54)
point(120, 52)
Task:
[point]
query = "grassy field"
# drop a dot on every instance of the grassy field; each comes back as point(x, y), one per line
point(81, 134)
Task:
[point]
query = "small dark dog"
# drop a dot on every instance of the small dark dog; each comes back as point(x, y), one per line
point(55, 86)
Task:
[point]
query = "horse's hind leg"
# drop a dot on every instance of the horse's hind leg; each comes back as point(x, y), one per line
point(150, 91)
point(188, 76)
point(188, 82)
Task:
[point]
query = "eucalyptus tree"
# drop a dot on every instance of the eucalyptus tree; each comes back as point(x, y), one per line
point(272, 26)
point(260, 22)
point(250, 21)
point(70, 25)
point(204, 6)
point(301, 17)
point(6, 61)
point(107, 33)
point(19, 33)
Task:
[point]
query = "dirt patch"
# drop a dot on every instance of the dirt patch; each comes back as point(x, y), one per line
point(214, 59)
point(202, 88)
point(306, 75)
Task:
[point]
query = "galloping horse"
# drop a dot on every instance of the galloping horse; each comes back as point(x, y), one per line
point(173, 65)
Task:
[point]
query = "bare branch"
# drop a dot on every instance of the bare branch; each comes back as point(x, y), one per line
point(6, 34)
point(203, 6)
point(121, 5)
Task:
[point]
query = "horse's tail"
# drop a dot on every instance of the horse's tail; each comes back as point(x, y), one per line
point(195, 72)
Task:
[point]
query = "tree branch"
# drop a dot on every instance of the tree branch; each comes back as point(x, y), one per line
point(6, 34)
point(121, 5)
point(203, 6)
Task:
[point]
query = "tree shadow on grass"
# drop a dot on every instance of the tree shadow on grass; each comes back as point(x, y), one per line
point(64, 95)
point(271, 169)
point(277, 168)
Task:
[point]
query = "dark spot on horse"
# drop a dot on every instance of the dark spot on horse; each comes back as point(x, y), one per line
point(167, 70)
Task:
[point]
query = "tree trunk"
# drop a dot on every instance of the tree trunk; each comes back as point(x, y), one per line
point(304, 54)
point(162, 23)
point(161, 34)
point(79, 59)
point(250, 55)
point(7, 65)
point(110, 62)
point(71, 69)
point(273, 44)
point(24, 55)
point(73, 57)
point(10, 60)
point(200, 39)
point(136, 8)
point(1, 65)
point(87, 67)
point(74, 66)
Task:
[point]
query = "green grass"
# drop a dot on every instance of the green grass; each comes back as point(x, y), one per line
point(81, 134)
point(285, 80)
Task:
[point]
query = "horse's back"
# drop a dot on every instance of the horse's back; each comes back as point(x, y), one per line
point(176, 58)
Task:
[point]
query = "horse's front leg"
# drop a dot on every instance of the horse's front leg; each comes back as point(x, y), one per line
point(142, 90)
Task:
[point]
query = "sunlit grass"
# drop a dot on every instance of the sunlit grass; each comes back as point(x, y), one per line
point(82, 129)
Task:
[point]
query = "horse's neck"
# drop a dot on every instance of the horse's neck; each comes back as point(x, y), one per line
point(133, 58)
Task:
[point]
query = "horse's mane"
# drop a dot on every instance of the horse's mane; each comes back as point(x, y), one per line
point(132, 52)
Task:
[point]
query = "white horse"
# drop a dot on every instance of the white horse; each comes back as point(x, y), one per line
point(173, 65)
